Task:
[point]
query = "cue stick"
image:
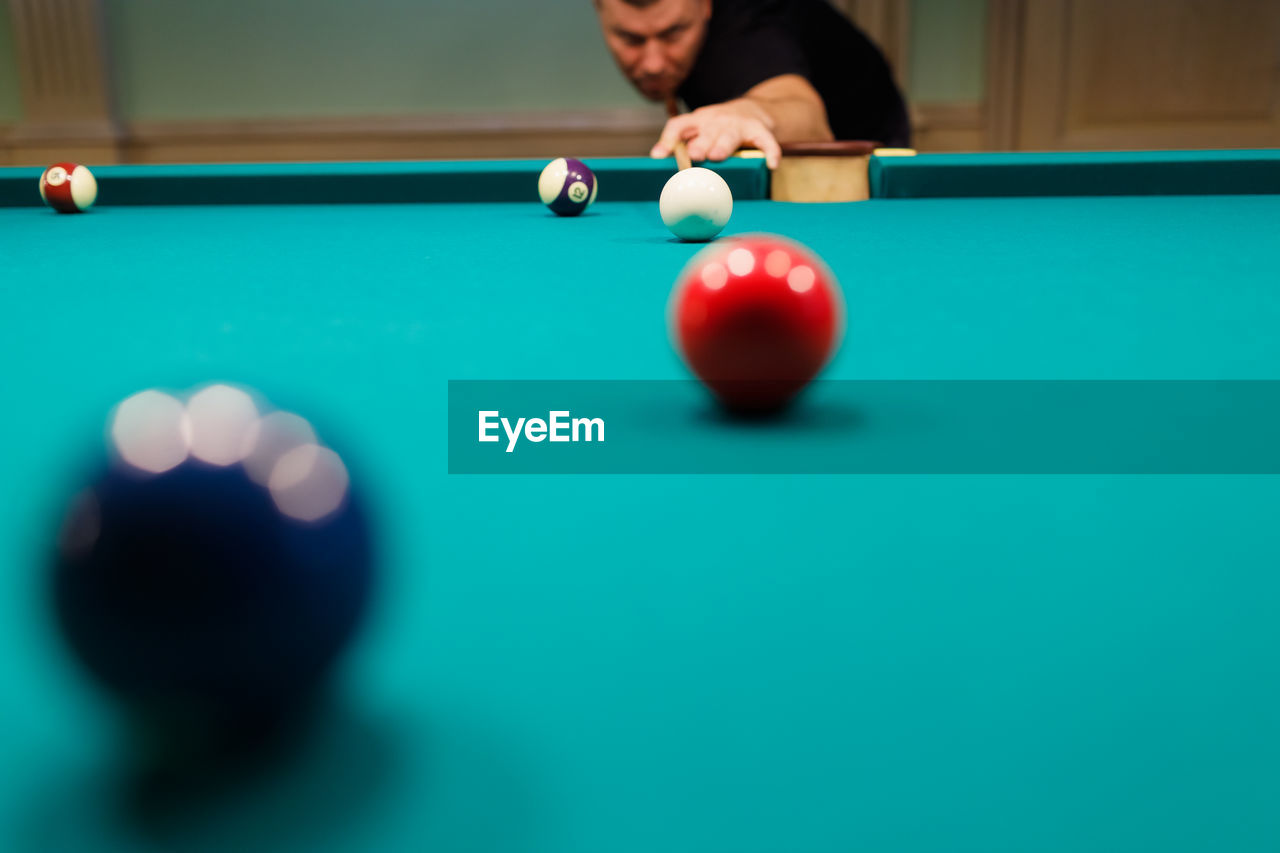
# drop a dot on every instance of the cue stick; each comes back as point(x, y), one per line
point(680, 150)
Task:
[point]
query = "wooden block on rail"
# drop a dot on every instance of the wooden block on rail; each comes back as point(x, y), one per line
point(822, 172)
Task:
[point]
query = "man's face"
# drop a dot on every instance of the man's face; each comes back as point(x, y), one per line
point(655, 46)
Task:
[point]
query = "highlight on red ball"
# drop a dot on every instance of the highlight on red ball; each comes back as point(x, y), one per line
point(756, 318)
point(68, 187)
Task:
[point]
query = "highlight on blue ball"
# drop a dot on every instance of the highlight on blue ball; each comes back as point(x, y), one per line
point(567, 186)
point(218, 561)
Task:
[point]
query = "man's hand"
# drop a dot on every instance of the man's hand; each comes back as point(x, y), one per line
point(781, 109)
point(715, 132)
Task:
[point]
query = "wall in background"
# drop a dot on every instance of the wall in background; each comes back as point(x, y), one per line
point(10, 101)
point(947, 51)
point(192, 80)
point(193, 59)
point(189, 59)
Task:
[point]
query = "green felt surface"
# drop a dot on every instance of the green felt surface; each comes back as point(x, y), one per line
point(682, 663)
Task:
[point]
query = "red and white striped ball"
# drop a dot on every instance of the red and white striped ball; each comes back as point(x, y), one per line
point(68, 187)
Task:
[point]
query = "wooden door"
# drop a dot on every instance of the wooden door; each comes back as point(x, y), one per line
point(1118, 74)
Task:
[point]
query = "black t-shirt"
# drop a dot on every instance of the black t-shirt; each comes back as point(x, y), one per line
point(750, 41)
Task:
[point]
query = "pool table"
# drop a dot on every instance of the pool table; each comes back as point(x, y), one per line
point(579, 663)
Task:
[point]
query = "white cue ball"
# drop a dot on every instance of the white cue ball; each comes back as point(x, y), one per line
point(696, 204)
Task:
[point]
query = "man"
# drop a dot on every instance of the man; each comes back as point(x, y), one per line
point(754, 73)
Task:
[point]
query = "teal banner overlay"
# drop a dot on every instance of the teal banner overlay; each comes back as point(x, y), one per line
point(869, 427)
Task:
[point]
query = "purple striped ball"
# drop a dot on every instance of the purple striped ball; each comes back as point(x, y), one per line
point(567, 186)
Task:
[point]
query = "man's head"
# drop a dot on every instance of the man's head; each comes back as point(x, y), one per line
point(654, 42)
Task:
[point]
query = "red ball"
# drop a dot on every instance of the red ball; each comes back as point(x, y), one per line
point(756, 318)
point(68, 187)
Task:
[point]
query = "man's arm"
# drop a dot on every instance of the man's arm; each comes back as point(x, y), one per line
point(781, 109)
